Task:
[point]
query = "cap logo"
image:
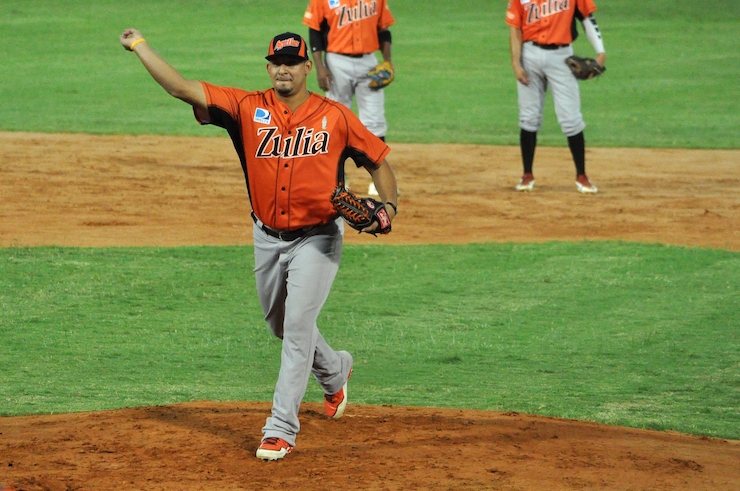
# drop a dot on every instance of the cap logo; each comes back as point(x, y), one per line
point(284, 43)
point(287, 44)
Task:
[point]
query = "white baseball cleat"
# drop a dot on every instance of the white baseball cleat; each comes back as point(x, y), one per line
point(584, 185)
point(526, 183)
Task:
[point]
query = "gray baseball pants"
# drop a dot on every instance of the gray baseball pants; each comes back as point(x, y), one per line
point(547, 67)
point(293, 282)
point(349, 78)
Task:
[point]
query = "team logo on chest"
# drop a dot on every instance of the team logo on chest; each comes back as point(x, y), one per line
point(362, 10)
point(304, 143)
point(545, 9)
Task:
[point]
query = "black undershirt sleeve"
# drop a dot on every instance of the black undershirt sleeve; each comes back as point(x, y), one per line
point(384, 36)
point(316, 40)
point(573, 28)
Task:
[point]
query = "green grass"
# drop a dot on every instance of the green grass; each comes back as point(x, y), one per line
point(637, 335)
point(671, 79)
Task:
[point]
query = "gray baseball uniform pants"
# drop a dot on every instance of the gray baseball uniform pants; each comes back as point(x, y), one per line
point(293, 282)
point(547, 67)
point(349, 77)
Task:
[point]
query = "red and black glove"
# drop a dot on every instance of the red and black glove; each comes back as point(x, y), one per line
point(360, 213)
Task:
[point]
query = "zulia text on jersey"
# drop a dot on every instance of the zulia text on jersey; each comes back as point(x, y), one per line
point(362, 10)
point(304, 143)
point(551, 7)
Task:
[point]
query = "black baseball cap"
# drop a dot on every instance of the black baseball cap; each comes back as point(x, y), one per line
point(288, 44)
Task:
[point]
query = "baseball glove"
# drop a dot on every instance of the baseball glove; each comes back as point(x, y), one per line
point(360, 213)
point(381, 75)
point(584, 68)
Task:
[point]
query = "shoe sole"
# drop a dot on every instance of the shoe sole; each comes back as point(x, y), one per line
point(585, 189)
point(343, 405)
point(525, 187)
point(271, 454)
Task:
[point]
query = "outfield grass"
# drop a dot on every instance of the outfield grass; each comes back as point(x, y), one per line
point(671, 79)
point(636, 335)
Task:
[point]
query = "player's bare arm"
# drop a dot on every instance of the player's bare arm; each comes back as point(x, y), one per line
point(190, 91)
point(384, 37)
point(385, 182)
point(515, 42)
point(323, 74)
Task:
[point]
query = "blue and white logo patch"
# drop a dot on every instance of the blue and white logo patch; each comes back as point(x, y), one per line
point(262, 116)
point(333, 4)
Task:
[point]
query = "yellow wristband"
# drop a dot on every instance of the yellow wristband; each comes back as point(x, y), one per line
point(131, 48)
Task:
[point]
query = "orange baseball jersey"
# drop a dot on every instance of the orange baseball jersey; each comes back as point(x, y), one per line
point(292, 161)
point(547, 21)
point(353, 24)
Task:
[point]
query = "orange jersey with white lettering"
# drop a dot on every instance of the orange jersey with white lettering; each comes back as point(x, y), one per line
point(547, 21)
point(292, 161)
point(353, 24)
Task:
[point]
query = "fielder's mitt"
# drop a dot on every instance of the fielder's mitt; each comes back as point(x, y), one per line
point(381, 75)
point(360, 213)
point(584, 68)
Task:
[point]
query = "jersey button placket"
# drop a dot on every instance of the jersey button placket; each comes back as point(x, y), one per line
point(283, 182)
point(283, 201)
point(356, 38)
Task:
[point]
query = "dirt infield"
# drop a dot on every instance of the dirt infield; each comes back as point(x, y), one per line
point(80, 190)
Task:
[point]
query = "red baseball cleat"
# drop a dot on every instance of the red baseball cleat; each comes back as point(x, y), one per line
point(335, 404)
point(273, 448)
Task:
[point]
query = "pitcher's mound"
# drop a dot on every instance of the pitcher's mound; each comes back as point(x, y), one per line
point(210, 446)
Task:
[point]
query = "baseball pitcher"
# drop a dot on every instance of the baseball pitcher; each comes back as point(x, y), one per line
point(292, 145)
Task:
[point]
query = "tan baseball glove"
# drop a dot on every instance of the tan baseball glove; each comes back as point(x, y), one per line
point(381, 75)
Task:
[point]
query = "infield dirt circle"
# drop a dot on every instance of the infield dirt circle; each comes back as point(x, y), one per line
point(81, 190)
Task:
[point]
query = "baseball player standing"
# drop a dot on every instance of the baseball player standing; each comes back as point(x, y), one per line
point(540, 35)
point(344, 36)
point(292, 145)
